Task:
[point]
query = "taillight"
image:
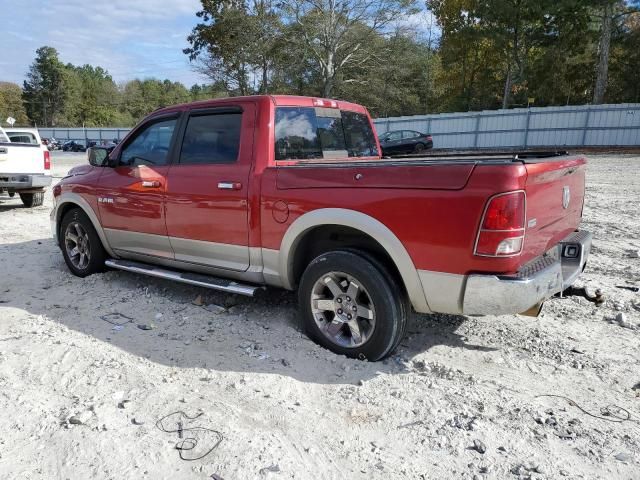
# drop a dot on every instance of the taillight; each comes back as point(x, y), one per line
point(429, 138)
point(47, 160)
point(502, 227)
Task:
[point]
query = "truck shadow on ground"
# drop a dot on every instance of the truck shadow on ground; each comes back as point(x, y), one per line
point(187, 327)
point(10, 203)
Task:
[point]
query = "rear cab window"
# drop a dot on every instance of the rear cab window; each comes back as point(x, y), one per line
point(23, 137)
point(306, 133)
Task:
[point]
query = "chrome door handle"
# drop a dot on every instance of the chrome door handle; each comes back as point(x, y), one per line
point(151, 184)
point(229, 185)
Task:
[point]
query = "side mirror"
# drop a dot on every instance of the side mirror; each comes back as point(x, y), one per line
point(98, 156)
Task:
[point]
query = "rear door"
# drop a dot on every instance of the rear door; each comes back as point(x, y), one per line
point(208, 184)
point(131, 195)
point(410, 139)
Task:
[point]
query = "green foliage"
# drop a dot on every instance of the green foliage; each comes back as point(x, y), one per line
point(67, 95)
point(44, 87)
point(11, 104)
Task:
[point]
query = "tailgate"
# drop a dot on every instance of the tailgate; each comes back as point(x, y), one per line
point(21, 158)
point(555, 195)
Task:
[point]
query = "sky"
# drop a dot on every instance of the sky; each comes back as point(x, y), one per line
point(130, 38)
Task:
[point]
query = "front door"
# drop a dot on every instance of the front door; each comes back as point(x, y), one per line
point(207, 188)
point(131, 195)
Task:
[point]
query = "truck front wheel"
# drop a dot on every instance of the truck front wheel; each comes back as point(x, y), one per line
point(81, 247)
point(35, 199)
point(351, 305)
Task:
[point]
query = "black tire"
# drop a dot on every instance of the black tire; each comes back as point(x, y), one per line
point(96, 253)
point(32, 199)
point(386, 299)
point(419, 148)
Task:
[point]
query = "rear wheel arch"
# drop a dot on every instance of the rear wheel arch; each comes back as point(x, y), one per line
point(325, 230)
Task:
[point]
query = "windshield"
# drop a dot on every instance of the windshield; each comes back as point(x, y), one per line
point(309, 133)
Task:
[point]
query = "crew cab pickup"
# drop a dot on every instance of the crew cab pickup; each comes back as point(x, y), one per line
point(292, 192)
point(25, 165)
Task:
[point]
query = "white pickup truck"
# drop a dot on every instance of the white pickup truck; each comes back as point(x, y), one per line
point(25, 165)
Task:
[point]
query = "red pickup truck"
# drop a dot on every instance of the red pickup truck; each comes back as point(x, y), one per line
point(292, 192)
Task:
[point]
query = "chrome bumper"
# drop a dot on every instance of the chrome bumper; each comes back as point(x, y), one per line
point(540, 279)
point(20, 181)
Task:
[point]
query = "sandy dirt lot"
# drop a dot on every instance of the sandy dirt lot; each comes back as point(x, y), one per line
point(463, 397)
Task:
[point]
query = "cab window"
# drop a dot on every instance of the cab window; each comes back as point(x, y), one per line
point(150, 146)
point(211, 139)
point(394, 136)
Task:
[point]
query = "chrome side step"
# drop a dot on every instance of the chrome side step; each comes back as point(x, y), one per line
point(184, 277)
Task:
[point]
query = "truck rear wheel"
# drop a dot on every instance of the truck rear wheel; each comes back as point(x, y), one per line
point(351, 306)
point(32, 199)
point(81, 247)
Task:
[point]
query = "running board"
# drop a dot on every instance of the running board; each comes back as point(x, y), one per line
point(184, 277)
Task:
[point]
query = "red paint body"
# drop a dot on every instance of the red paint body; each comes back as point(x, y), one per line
point(433, 206)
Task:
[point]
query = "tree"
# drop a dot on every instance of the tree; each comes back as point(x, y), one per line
point(11, 104)
point(237, 41)
point(609, 13)
point(91, 97)
point(43, 90)
point(337, 33)
point(625, 63)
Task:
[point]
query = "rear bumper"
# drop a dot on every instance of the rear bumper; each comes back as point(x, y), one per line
point(540, 279)
point(21, 181)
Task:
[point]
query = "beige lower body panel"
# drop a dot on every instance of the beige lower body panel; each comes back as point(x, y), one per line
point(219, 255)
point(139, 243)
point(444, 291)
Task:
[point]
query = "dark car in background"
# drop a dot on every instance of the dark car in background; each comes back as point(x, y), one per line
point(405, 141)
point(73, 146)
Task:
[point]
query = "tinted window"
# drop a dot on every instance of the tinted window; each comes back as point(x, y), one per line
point(410, 134)
point(23, 137)
point(394, 136)
point(211, 139)
point(307, 133)
point(359, 137)
point(151, 145)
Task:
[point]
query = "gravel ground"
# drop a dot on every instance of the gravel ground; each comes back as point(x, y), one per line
point(464, 397)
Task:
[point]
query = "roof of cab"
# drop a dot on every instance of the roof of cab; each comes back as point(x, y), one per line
point(278, 100)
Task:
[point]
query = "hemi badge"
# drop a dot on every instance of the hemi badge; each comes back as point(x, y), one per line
point(532, 223)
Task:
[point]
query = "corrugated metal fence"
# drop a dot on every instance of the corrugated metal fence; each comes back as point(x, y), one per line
point(84, 135)
point(589, 125)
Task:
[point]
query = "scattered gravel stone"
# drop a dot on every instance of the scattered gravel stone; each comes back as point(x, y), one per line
point(213, 308)
point(81, 418)
point(270, 468)
point(198, 301)
point(145, 326)
point(479, 447)
point(623, 457)
point(622, 320)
